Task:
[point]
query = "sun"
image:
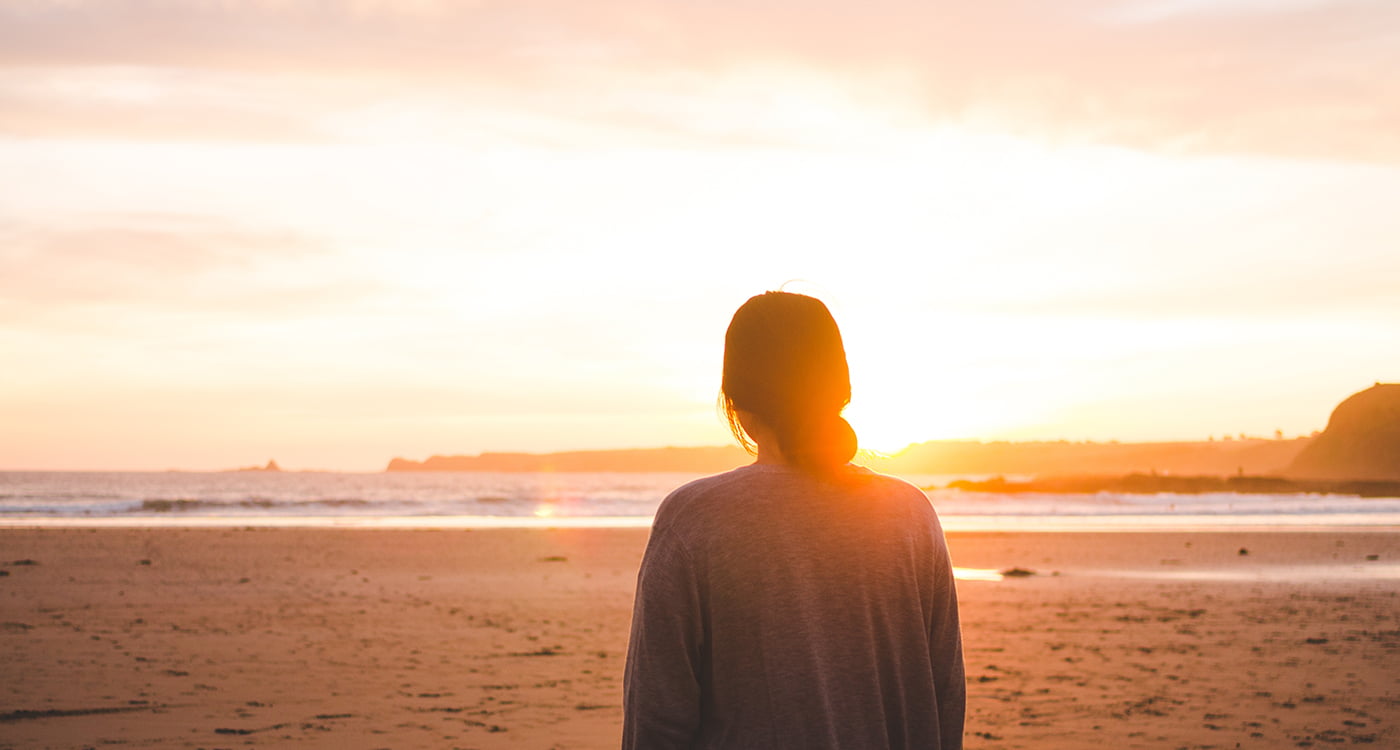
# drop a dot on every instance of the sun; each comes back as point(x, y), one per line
point(889, 424)
point(906, 391)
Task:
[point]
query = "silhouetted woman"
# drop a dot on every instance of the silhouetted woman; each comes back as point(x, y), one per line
point(799, 601)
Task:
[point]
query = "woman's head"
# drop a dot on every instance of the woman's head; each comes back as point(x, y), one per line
point(785, 364)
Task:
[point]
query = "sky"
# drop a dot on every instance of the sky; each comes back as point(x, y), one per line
point(337, 232)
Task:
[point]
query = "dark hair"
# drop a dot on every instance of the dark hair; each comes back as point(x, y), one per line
point(785, 362)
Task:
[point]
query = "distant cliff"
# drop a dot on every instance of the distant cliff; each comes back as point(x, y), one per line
point(707, 460)
point(1254, 456)
point(1361, 443)
point(1362, 439)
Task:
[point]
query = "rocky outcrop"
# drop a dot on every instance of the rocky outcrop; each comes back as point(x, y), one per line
point(1361, 442)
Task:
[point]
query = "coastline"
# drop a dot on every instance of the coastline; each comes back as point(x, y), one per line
point(428, 500)
point(500, 638)
point(1009, 523)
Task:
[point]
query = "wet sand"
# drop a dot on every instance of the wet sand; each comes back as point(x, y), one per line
point(209, 638)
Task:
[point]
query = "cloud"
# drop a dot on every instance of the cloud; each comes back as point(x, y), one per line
point(344, 38)
point(146, 104)
point(161, 263)
point(1294, 79)
point(1319, 294)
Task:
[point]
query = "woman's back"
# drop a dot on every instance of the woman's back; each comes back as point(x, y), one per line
point(776, 608)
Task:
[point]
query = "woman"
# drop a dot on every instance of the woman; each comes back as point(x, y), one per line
point(799, 601)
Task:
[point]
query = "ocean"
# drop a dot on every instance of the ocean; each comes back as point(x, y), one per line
point(483, 499)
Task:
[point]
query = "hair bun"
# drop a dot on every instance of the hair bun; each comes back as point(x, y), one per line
point(842, 440)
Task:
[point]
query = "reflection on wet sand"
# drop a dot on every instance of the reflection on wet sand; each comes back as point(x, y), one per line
point(977, 574)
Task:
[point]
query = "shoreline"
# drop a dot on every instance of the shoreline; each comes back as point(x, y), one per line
point(1173, 484)
point(1058, 524)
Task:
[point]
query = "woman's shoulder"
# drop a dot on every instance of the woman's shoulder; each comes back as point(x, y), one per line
point(891, 489)
point(696, 493)
point(717, 492)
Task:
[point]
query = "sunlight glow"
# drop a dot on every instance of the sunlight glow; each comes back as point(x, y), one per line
point(333, 245)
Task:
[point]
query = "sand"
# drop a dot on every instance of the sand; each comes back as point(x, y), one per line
point(360, 638)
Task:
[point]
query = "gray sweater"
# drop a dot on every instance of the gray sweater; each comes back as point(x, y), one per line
point(778, 610)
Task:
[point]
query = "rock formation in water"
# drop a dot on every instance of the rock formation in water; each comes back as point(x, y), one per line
point(1362, 439)
point(271, 466)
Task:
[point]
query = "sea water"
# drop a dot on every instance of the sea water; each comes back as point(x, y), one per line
point(486, 499)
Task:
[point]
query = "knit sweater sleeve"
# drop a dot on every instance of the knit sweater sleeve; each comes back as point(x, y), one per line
point(945, 648)
point(661, 685)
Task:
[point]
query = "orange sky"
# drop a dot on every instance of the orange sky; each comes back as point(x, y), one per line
point(338, 232)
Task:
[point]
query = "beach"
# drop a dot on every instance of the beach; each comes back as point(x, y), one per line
point(505, 638)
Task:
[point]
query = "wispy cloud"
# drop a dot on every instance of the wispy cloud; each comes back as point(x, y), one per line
point(104, 268)
point(147, 104)
point(1296, 78)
